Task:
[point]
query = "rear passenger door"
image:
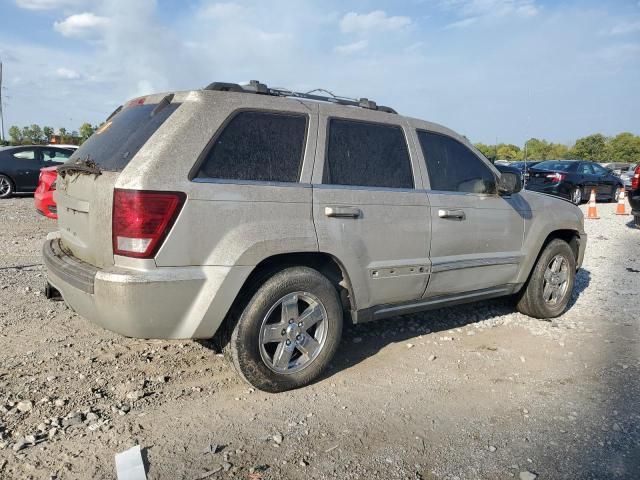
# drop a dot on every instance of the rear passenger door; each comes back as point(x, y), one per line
point(369, 208)
point(477, 235)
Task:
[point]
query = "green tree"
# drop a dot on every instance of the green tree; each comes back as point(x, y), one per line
point(36, 134)
point(48, 132)
point(487, 150)
point(625, 148)
point(508, 152)
point(537, 149)
point(593, 147)
point(86, 130)
point(15, 134)
point(63, 135)
point(558, 151)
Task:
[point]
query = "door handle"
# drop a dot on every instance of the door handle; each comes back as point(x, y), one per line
point(342, 212)
point(456, 214)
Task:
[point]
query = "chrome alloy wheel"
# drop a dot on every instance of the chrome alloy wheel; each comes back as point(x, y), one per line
point(293, 332)
point(5, 186)
point(556, 280)
point(576, 197)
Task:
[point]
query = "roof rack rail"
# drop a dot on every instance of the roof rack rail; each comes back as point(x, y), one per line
point(254, 86)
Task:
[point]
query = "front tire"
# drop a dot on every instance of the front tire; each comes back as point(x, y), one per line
point(549, 288)
point(288, 331)
point(615, 194)
point(6, 187)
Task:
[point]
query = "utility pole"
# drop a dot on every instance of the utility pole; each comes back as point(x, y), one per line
point(1, 112)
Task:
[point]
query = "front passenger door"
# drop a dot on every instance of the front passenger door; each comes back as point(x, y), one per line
point(477, 234)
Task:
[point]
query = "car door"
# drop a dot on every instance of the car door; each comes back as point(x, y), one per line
point(477, 235)
point(369, 208)
point(604, 179)
point(587, 178)
point(26, 165)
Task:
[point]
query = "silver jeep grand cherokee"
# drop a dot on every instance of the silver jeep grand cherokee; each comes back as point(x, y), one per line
point(267, 216)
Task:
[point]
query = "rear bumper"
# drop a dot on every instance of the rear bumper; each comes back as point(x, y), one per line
point(45, 204)
point(634, 201)
point(169, 302)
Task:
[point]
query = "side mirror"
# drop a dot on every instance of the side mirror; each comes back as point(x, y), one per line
point(509, 183)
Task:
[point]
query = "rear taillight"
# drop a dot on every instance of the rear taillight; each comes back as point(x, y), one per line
point(635, 181)
point(556, 177)
point(142, 219)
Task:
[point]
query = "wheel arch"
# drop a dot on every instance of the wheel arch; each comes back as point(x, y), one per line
point(327, 264)
point(11, 179)
point(572, 237)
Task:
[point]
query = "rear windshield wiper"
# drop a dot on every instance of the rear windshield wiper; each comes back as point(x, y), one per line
point(83, 166)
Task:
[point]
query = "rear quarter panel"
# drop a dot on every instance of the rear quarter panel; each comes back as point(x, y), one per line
point(224, 223)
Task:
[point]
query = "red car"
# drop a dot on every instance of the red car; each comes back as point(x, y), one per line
point(43, 195)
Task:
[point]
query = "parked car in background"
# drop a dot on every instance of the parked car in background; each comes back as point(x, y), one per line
point(20, 166)
point(43, 196)
point(266, 219)
point(524, 168)
point(616, 167)
point(574, 180)
point(634, 195)
point(627, 176)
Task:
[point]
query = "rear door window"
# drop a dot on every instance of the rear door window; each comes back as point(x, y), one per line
point(257, 146)
point(55, 155)
point(117, 140)
point(25, 155)
point(367, 154)
point(453, 167)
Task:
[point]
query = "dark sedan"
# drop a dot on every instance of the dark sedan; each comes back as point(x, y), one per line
point(574, 180)
point(20, 166)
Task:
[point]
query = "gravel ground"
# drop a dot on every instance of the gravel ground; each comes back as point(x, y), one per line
point(475, 391)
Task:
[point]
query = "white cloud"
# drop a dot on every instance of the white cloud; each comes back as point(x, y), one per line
point(48, 4)
point(67, 73)
point(351, 47)
point(223, 10)
point(625, 28)
point(85, 24)
point(492, 8)
point(376, 20)
point(463, 23)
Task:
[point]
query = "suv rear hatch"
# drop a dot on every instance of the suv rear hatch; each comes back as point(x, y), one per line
point(86, 182)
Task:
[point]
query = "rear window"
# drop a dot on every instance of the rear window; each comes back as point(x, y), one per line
point(117, 141)
point(554, 165)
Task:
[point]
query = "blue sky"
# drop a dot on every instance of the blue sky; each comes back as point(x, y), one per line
point(503, 70)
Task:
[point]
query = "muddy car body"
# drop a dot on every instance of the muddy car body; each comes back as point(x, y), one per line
point(267, 233)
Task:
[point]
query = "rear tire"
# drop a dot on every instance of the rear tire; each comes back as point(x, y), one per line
point(549, 288)
point(271, 345)
point(576, 196)
point(6, 187)
point(636, 219)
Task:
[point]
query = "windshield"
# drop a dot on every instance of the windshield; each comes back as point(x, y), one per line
point(554, 165)
point(117, 140)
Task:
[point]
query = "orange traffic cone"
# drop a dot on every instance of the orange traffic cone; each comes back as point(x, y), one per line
point(592, 213)
point(621, 207)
